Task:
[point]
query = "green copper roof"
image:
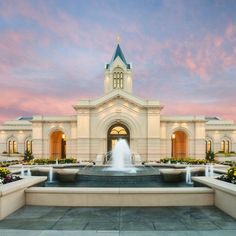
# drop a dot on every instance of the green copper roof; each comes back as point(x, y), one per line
point(118, 53)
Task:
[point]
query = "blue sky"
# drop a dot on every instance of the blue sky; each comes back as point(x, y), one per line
point(53, 54)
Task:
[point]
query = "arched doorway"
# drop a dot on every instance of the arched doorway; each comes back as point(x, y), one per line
point(58, 145)
point(117, 131)
point(179, 144)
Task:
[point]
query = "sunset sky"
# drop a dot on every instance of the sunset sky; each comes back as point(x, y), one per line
point(52, 53)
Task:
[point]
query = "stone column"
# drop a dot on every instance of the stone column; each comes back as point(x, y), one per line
point(153, 134)
point(37, 137)
point(83, 134)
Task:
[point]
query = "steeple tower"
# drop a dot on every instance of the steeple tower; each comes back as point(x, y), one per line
point(118, 73)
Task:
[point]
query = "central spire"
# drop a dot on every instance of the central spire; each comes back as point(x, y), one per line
point(118, 73)
point(118, 53)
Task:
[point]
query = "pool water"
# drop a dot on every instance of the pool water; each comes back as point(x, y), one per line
point(100, 177)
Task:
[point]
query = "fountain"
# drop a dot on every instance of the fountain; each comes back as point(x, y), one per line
point(120, 172)
point(56, 161)
point(121, 158)
point(22, 172)
point(28, 172)
point(188, 175)
point(50, 173)
point(207, 171)
point(211, 170)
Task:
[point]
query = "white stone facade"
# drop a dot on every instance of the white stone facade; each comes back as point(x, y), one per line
point(150, 134)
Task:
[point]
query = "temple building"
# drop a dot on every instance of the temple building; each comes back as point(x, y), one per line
point(97, 124)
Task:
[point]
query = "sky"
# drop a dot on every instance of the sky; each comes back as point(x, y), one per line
point(52, 54)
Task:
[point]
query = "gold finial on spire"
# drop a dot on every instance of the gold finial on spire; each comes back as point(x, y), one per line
point(118, 39)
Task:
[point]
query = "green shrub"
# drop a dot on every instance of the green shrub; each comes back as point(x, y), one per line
point(183, 161)
point(210, 156)
point(70, 160)
point(45, 161)
point(28, 155)
point(39, 161)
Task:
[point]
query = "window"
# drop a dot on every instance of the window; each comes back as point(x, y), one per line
point(114, 80)
point(28, 145)
point(225, 146)
point(208, 146)
point(118, 80)
point(12, 146)
point(121, 80)
point(118, 130)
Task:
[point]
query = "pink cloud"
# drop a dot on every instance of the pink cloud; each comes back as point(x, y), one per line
point(206, 56)
point(230, 32)
point(200, 108)
point(200, 56)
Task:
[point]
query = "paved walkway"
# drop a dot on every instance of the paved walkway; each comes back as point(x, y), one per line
point(44, 221)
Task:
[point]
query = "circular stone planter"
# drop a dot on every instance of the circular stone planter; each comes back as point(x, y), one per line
point(66, 175)
point(178, 175)
point(171, 175)
point(40, 171)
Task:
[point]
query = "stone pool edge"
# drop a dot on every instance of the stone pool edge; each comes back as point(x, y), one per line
point(119, 197)
point(224, 194)
point(12, 195)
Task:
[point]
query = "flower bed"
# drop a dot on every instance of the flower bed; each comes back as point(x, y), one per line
point(44, 161)
point(230, 176)
point(7, 177)
point(184, 161)
point(8, 163)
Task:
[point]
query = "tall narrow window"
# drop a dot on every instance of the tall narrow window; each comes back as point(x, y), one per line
point(12, 146)
point(223, 145)
point(118, 79)
point(227, 146)
point(115, 80)
point(208, 146)
point(28, 145)
point(121, 80)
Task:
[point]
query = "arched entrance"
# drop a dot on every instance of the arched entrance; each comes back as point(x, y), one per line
point(58, 145)
point(179, 145)
point(117, 131)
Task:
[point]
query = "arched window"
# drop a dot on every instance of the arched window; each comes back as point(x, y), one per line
point(114, 80)
point(28, 145)
point(12, 146)
point(116, 132)
point(118, 79)
point(225, 146)
point(208, 146)
point(121, 80)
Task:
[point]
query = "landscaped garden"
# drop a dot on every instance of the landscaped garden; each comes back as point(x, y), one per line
point(7, 177)
point(230, 175)
point(184, 161)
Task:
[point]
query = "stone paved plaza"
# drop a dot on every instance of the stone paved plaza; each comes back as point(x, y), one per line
point(32, 220)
